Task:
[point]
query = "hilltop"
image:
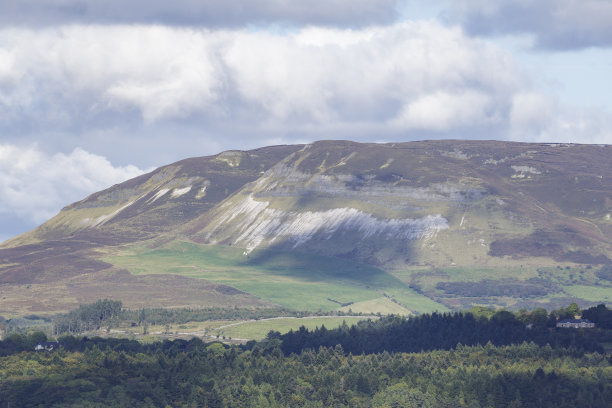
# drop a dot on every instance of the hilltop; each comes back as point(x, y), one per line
point(398, 228)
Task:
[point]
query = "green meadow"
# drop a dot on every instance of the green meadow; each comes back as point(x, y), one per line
point(257, 330)
point(591, 293)
point(291, 279)
point(382, 305)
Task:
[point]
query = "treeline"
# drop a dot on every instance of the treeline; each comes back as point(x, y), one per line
point(388, 334)
point(540, 317)
point(89, 317)
point(16, 343)
point(605, 273)
point(110, 313)
point(600, 315)
point(26, 324)
point(190, 373)
point(433, 332)
point(161, 316)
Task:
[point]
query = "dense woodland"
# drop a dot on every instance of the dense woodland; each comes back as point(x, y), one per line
point(194, 374)
point(435, 332)
point(478, 359)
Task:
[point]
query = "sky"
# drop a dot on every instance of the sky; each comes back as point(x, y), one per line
point(96, 92)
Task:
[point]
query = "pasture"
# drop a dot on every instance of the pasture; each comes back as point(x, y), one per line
point(294, 280)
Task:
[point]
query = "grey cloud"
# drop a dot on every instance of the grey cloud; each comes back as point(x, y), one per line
point(418, 77)
point(554, 24)
point(210, 13)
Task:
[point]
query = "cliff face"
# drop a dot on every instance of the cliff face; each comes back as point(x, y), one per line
point(419, 206)
point(428, 203)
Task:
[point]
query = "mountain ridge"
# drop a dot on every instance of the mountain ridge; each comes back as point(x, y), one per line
point(419, 211)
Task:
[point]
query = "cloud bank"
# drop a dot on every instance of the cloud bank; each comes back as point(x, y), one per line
point(554, 24)
point(422, 78)
point(209, 13)
point(411, 76)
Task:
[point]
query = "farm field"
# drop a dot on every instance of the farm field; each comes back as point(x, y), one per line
point(504, 286)
point(232, 329)
point(257, 330)
point(384, 305)
point(294, 280)
point(591, 293)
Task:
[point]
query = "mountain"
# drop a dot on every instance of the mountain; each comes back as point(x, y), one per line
point(400, 227)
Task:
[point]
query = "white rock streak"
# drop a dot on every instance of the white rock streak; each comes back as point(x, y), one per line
point(526, 169)
point(524, 172)
point(257, 223)
point(158, 195)
point(177, 192)
point(201, 193)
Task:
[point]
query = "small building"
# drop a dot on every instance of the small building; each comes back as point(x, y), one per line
point(47, 345)
point(576, 324)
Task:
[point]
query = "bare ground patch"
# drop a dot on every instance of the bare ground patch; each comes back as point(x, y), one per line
point(158, 291)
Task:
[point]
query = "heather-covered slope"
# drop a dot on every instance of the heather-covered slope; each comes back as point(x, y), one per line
point(159, 201)
point(426, 203)
point(456, 222)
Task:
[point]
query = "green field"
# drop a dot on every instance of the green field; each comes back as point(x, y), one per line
point(563, 284)
point(428, 279)
point(294, 280)
point(257, 330)
point(591, 293)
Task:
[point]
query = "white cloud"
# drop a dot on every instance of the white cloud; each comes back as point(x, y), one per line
point(537, 118)
point(34, 185)
point(531, 112)
point(593, 125)
point(444, 111)
point(8, 73)
point(75, 74)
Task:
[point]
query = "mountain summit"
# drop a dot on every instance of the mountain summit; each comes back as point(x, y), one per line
point(400, 227)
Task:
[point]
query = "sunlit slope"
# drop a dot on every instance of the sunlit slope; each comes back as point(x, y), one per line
point(295, 280)
point(426, 203)
point(159, 201)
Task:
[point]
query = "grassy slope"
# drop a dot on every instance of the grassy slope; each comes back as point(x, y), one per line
point(591, 293)
point(308, 282)
point(546, 207)
point(294, 280)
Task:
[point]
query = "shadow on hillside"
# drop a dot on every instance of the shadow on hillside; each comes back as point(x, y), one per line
point(283, 260)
